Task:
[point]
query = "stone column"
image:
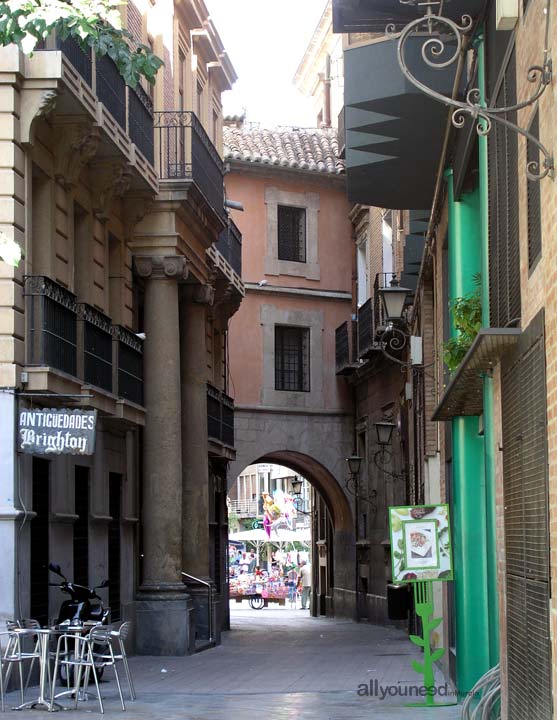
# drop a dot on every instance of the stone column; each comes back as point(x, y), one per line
point(195, 462)
point(162, 604)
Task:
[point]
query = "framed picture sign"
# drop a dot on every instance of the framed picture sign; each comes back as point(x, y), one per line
point(420, 543)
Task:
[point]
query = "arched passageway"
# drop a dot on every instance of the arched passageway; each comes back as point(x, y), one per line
point(334, 552)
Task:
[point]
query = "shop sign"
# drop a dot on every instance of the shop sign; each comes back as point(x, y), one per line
point(420, 543)
point(57, 432)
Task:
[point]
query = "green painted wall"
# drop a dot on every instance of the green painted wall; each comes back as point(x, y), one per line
point(468, 482)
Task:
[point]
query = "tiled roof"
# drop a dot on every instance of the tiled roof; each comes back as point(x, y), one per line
point(300, 148)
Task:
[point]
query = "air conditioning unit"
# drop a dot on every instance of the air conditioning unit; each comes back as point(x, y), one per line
point(507, 14)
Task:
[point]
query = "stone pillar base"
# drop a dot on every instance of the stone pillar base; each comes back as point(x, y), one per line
point(163, 625)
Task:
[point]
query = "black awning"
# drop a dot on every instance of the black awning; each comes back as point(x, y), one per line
point(352, 16)
point(394, 132)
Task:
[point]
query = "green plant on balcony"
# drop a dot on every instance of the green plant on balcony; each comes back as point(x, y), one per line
point(92, 24)
point(466, 314)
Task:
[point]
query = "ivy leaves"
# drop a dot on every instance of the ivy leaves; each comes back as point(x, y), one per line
point(93, 24)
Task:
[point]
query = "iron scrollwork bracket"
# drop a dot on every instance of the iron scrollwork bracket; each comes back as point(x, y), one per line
point(443, 34)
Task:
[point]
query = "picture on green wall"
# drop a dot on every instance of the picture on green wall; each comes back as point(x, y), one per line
point(420, 543)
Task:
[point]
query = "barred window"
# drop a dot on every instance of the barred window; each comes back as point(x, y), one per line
point(291, 358)
point(291, 233)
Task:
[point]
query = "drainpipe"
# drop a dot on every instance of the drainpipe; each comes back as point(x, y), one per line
point(327, 93)
point(468, 482)
point(489, 429)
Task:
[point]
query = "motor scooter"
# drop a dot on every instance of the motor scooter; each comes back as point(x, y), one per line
point(84, 606)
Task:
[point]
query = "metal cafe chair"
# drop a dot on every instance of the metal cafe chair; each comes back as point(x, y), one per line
point(16, 654)
point(114, 651)
point(103, 654)
point(82, 662)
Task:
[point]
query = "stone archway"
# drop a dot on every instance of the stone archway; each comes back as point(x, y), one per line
point(316, 448)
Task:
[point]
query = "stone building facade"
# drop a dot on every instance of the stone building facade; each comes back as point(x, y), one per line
point(291, 409)
point(131, 272)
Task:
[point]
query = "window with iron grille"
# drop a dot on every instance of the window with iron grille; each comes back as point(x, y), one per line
point(291, 233)
point(504, 249)
point(291, 358)
point(534, 200)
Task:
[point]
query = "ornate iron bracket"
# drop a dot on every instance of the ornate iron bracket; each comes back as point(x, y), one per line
point(442, 34)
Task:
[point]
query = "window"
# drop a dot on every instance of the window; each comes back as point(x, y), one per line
point(291, 358)
point(291, 233)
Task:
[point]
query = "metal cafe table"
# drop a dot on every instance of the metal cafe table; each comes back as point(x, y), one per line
point(44, 636)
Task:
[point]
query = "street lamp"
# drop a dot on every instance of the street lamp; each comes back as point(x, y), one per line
point(354, 464)
point(296, 486)
point(394, 299)
point(384, 430)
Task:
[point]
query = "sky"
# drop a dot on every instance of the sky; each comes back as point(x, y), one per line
point(266, 41)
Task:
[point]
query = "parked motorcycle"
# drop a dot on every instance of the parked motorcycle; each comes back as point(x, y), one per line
point(84, 606)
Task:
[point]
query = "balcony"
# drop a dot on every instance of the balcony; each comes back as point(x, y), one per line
point(187, 153)
point(220, 417)
point(125, 114)
point(95, 340)
point(52, 312)
point(244, 508)
point(229, 245)
point(128, 380)
point(365, 328)
point(73, 344)
point(345, 350)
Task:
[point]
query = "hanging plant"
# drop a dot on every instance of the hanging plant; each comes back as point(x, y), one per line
point(466, 313)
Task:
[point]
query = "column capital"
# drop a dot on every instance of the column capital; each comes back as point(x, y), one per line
point(160, 267)
point(200, 294)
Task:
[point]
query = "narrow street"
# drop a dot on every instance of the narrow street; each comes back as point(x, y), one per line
point(276, 663)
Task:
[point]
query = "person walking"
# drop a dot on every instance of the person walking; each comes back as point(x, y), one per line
point(291, 582)
point(305, 582)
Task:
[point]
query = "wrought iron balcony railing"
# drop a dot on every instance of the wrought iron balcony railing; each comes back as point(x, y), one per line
point(52, 313)
point(111, 88)
point(220, 416)
point(94, 347)
point(365, 328)
point(244, 508)
point(131, 108)
point(128, 364)
point(140, 122)
point(229, 245)
point(80, 59)
point(187, 153)
point(78, 339)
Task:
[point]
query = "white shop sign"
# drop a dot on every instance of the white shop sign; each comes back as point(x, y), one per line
point(57, 432)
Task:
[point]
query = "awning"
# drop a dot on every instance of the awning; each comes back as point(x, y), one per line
point(353, 16)
point(464, 393)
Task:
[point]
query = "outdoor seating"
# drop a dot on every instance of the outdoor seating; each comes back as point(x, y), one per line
point(81, 661)
point(16, 653)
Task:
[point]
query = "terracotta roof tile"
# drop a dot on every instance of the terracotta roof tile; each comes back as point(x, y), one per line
point(310, 149)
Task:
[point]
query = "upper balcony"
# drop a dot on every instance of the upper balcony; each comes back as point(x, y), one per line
point(95, 89)
point(394, 132)
point(186, 154)
point(73, 347)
